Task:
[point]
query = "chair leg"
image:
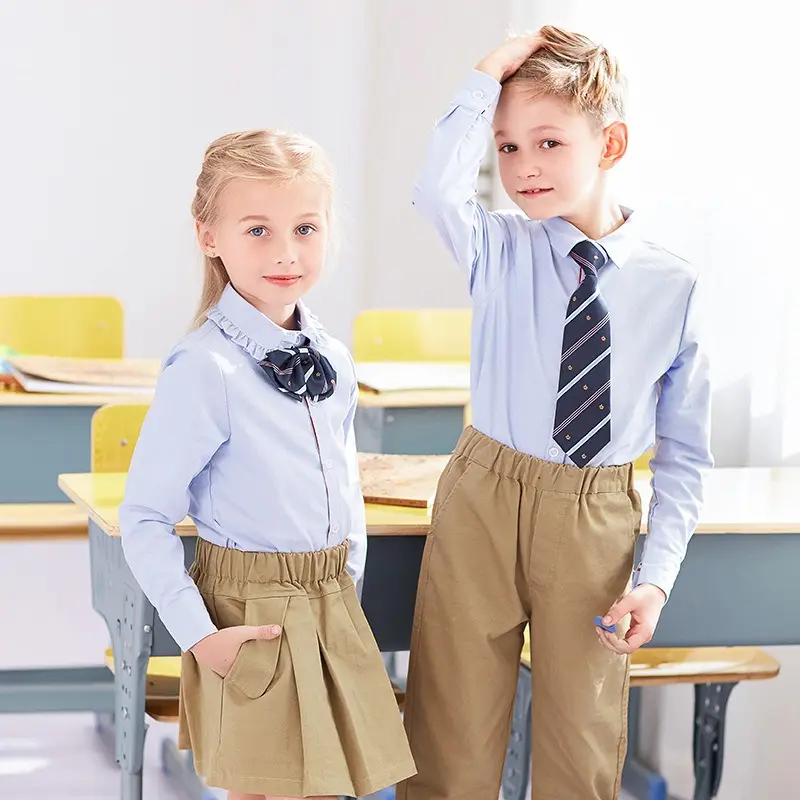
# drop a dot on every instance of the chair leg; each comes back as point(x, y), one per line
point(710, 707)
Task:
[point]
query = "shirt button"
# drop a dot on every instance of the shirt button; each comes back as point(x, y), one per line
point(335, 527)
point(553, 451)
point(478, 94)
point(329, 464)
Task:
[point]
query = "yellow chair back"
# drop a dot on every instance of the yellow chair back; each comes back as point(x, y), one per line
point(67, 326)
point(643, 462)
point(115, 430)
point(438, 334)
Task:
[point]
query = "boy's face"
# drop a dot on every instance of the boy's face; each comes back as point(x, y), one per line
point(552, 159)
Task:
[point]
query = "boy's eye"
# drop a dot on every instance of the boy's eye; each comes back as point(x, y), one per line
point(508, 148)
point(259, 230)
point(549, 144)
point(306, 230)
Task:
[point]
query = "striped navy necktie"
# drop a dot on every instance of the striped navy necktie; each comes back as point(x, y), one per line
point(582, 425)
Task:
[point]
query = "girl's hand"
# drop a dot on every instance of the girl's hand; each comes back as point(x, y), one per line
point(219, 650)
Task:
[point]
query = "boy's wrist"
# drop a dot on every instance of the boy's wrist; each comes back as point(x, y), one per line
point(491, 68)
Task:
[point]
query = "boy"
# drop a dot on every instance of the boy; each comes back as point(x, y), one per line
point(586, 351)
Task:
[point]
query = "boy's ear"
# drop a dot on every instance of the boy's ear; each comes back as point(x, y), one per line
point(616, 143)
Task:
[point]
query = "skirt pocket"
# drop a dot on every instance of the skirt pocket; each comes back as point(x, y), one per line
point(254, 666)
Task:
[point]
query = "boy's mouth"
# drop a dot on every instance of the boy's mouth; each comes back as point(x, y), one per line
point(534, 192)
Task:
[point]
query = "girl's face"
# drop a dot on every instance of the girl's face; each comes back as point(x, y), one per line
point(272, 238)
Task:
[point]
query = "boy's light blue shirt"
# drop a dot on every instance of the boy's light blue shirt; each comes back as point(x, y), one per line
point(521, 278)
point(223, 445)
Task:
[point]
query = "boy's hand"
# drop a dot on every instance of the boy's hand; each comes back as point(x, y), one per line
point(508, 58)
point(218, 651)
point(644, 604)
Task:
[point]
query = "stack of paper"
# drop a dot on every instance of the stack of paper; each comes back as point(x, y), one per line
point(85, 375)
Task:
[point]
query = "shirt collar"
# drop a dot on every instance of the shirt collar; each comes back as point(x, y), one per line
point(261, 329)
point(618, 245)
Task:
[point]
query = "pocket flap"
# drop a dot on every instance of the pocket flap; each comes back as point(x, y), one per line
point(254, 666)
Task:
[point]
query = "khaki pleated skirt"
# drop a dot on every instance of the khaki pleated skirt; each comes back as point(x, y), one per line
point(310, 713)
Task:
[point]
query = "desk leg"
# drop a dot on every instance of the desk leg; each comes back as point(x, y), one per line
point(638, 779)
point(130, 619)
point(710, 707)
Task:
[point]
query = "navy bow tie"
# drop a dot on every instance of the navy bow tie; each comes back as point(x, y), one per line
point(300, 372)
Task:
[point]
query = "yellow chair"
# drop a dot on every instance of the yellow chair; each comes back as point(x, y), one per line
point(439, 334)
point(115, 429)
point(643, 462)
point(67, 326)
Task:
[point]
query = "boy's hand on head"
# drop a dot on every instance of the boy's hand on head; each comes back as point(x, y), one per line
point(219, 650)
point(509, 57)
point(644, 604)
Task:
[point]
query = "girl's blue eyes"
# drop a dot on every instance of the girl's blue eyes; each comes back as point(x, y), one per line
point(260, 231)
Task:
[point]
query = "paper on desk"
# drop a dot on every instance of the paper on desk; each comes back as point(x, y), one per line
point(85, 375)
point(398, 376)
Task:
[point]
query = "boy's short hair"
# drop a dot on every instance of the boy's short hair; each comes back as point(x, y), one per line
point(572, 67)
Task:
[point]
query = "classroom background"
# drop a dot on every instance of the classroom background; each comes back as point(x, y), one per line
point(107, 108)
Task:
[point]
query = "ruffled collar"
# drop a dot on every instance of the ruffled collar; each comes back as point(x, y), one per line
point(257, 334)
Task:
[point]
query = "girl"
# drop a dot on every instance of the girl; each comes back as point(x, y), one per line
point(283, 691)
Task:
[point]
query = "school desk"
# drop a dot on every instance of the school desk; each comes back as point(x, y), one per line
point(397, 538)
point(737, 587)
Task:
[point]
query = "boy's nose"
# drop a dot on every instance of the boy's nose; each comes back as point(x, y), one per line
point(530, 171)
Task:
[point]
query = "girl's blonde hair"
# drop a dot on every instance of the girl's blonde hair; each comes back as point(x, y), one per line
point(572, 67)
point(271, 155)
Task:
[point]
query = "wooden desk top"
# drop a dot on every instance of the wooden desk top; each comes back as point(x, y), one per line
point(749, 500)
point(33, 521)
point(99, 495)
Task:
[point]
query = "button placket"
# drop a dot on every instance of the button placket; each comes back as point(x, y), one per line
point(324, 471)
point(333, 488)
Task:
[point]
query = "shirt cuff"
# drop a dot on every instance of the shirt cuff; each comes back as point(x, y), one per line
point(479, 93)
point(663, 577)
point(187, 619)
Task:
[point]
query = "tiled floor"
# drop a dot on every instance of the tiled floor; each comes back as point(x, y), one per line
point(59, 757)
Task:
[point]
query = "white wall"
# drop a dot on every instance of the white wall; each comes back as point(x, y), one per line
point(114, 103)
point(422, 51)
point(107, 108)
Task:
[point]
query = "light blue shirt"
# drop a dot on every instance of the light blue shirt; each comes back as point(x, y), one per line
point(521, 278)
point(253, 468)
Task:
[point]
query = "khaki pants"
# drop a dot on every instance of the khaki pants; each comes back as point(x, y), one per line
point(517, 540)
